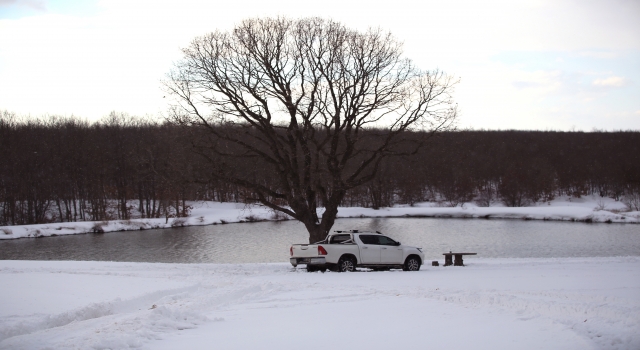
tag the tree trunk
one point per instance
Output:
(316, 233)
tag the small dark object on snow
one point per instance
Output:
(435, 263)
(458, 261)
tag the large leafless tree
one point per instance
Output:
(316, 104)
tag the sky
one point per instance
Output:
(544, 65)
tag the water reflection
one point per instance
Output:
(269, 241)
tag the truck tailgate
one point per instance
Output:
(304, 250)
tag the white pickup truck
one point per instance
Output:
(345, 250)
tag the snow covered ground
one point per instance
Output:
(570, 303)
(586, 209)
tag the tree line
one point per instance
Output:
(67, 169)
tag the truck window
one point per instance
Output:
(384, 240)
(369, 239)
(340, 238)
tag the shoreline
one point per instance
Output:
(584, 210)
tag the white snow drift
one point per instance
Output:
(573, 303)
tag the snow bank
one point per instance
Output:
(569, 303)
(589, 209)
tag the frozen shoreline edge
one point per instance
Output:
(213, 213)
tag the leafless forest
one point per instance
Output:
(67, 169)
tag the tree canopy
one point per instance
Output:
(296, 96)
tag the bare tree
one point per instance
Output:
(297, 96)
(632, 197)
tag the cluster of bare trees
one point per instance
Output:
(65, 169)
(515, 168)
(121, 167)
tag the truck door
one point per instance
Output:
(390, 251)
(369, 249)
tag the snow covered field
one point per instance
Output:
(586, 209)
(574, 303)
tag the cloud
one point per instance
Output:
(111, 54)
(611, 82)
(543, 81)
(31, 4)
(599, 54)
(525, 84)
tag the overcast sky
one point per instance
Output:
(548, 65)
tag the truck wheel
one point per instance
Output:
(411, 264)
(346, 264)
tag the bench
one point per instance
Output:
(458, 258)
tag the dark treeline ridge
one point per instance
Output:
(67, 169)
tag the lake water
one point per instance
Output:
(270, 241)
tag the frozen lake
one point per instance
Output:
(269, 241)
